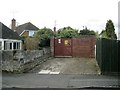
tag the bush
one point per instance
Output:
(67, 32)
(31, 43)
(44, 35)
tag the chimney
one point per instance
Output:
(13, 24)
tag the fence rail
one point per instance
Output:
(108, 55)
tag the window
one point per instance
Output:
(14, 45)
(31, 33)
(11, 46)
(18, 45)
(7, 45)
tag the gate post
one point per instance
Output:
(52, 46)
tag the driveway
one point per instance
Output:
(68, 66)
(77, 68)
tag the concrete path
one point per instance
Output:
(68, 66)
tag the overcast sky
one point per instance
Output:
(75, 13)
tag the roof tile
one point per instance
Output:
(26, 26)
(7, 33)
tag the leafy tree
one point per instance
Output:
(109, 31)
(87, 32)
(44, 36)
(97, 34)
(67, 32)
(103, 34)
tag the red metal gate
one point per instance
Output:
(63, 47)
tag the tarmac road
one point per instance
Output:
(73, 73)
(33, 80)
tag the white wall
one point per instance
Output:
(118, 33)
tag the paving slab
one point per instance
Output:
(44, 72)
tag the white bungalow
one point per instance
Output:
(9, 40)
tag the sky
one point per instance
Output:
(75, 13)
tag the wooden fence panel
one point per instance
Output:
(107, 52)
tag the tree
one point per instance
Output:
(67, 32)
(87, 32)
(97, 34)
(103, 34)
(44, 36)
(109, 31)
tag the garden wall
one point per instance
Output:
(22, 61)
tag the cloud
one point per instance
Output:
(75, 13)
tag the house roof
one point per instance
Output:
(7, 33)
(26, 26)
